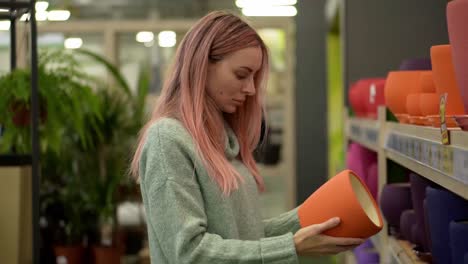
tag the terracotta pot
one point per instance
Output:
(397, 87)
(427, 82)
(412, 104)
(444, 78)
(70, 254)
(429, 104)
(347, 197)
(106, 255)
(457, 19)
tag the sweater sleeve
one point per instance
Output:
(282, 224)
(177, 215)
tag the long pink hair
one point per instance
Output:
(184, 97)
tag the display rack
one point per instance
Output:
(15, 10)
(420, 150)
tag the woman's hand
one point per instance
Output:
(310, 242)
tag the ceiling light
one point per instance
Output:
(73, 43)
(41, 6)
(58, 15)
(270, 11)
(42, 16)
(167, 39)
(5, 25)
(144, 36)
(258, 3)
(4, 10)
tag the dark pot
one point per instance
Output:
(106, 255)
(22, 115)
(69, 254)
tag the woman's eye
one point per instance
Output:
(241, 76)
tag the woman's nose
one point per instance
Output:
(249, 87)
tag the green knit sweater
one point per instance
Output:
(189, 219)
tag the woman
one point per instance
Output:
(198, 178)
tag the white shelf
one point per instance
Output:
(402, 253)
(419, 149)
(364, 132)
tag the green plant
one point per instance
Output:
(65, 95)
(104, 165)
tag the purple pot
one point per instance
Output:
(395, 199)
(368, 256)
(442, 208)
(416, 64)
(407, 220)
(415, 237)
(418, 194)
(373, 180)
(457, 19)
(459, 239)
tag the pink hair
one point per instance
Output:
(184, 97)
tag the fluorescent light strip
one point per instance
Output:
(73, 43)
(167, 39)
(58, 15)
(286, 11)
(42, 16)
(144, 36)
(41, 6)
(257, 3)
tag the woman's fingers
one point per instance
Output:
(322, 227)
(345, 241)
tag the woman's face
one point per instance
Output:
(231, 80)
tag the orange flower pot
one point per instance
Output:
(429, 104)
(347, 197)
(412, 104)
(397, 87)
(427, 82)
(444, 78)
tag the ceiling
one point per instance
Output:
(140, 9)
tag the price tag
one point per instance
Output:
(417, 150)
(460, 166)
(447, 160)
(435, 156)
(425, 152)
(443, 123)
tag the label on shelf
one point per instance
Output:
(365, 134)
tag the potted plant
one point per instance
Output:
(105, 164)
(65, 98)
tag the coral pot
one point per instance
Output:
(444, 78)
(457, 20)
(397, 87)
(347, 197)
